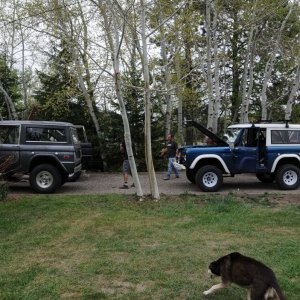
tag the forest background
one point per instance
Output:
(136, 69)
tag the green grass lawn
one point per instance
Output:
(113, 247)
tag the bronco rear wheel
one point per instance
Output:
(288, 177)
(209, 178)
(45, 179)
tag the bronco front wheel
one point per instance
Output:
(209, 178)
(288, 177)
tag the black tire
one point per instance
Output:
(209, 178)
(265, 177)
(190, 175)
(288, 177)
(74, 177)
(45, 179)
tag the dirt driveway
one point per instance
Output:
(104, 183)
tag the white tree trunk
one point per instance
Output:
(9, 103)
(249, 92)
(167, 83)
(269, 66)
(217, 101)
(293, 93)
(149, 160)
(114, 45)
(245, 99)
(63, 23)
(23, 78)
(179, 99)
(210, 113)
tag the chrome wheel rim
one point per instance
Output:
(210, 179)
(44, 179)
(290, 177)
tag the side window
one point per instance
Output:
(74, 135)
(244, 138)
(9, 134)
(285, 136)
(249, 137)
(46, 134)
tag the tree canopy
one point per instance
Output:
(217, 62)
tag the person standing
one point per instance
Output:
(208, 140)
(172, 150)
(126, 166)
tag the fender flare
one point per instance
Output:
(203, 156)
(52, 156)
(278, 158)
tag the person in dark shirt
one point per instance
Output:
(126, 166)
(172, 150)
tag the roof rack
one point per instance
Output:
(271, 121)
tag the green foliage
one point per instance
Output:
(58, 96)
(10, 81)
(3, 191)
(134, 102)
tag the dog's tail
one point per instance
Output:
(273, 292)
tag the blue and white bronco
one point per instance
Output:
(270, 150)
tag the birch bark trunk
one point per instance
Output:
(269, 67)
(292, 96)
(9, 103)
(167, 79)
(69, 38)
(149, 160)
(24, 80)
(179, 99)
(245, 99)
(210, 112)
(217, 100)
(114, 45)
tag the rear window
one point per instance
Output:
(46, 134)
(74, 135)
(9, 134)
(285, 136)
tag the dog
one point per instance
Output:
(247, 272)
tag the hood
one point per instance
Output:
(205, 131)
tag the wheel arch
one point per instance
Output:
(209, 159)
(281, 160)
(38, 160)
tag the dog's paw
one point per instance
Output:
(206, 293)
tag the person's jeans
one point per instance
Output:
(172, 167)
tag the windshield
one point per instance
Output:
(232, 134)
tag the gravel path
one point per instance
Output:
(104, 183)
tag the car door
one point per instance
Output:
(9, 148)
(245, 151)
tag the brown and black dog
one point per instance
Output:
(247, 272)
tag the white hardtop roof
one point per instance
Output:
(265, 125)
(34, 122)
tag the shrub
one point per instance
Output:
(3, 191)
